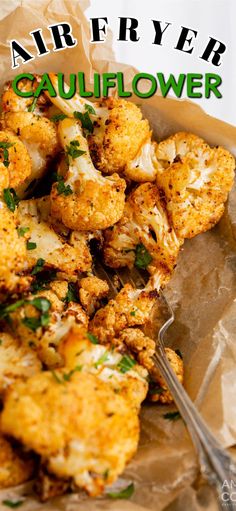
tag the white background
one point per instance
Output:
(216, 18)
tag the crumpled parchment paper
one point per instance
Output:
(202, 290)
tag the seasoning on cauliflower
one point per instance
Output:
(92, 291)
(16, 466)
(116, 128)
(144, 166)
(15, 163)
(81, 428)
(68, 254)
(196, 180)
(116, 367)
(144, 348)
(39, 136)
(42, 319)
(130, 307)
(17, 360)
(144, 236)
(85, 200)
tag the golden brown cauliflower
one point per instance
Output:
(130, 307)
(17, 360)
(12, 253)
(16, 467)
(43, 319)
(81, 428)
(92, 290)
(144, 236)
(39, 136)
(11, 102)
(85, 200)
(81, 350)
(144, 166)
(69, 254)
(196, 180)
(117, 133)
(144, 348)
(15, 162)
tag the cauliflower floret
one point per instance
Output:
(117, 133)
(15, 163)
(144, 236)
(144, 348)
(39, 136)
(16, 361)
(11, 102)
(88, 201)
(44, 318)
(83, 430)
(196, 180)
(82, 350)
(16, 467)
(144, 166)
(12, 253)
(129, 308)
(91, 292)
(70, 255)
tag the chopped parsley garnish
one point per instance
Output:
(71, 295)
(126, 363)
(22, 230)
(104, 357)
(58, 117)
(31, 108)
(61, 187)
(178, 352)
(56, 377)
(133, 313)
(86, 122)
(43, 279)
(92, 338)
(156, 390)
(7, 309)
(172, 416)
(13, 504)
(38, 267)
(90, 109)
(10, 198)
(43, 305)
(67, 376)
(142, 257)
(73, 149)
(126, 493)
(31, 245)
(5, 146)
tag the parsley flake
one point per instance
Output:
(31, 108)
(13, 504)
(61, 187)
(93, 339)
(38, 267)
(90, 109)
(71, 295)
(172, 416)
(104, 358)
(73, 151)
(126, 493)
(86, 122)
(10, 198)
(22, 230)
(142, 257)
(126, 363)
(5, 146)
(31, 245)
(178, 352)
(58, 117)
(67, 376)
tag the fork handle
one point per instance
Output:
(216, 465)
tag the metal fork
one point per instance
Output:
(216, 465)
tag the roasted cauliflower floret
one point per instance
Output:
(39, 136)
(81, 351)
(11, 102)
(143, 349)
(17, 360)
(117, 128)
(196, 180)
(15, 163)
(81, 428)
(92, 291)
(12, 253)
(130, 307)
(144, 236)
(86, 201)
(16, 467)
(144, 166)
(68, 254)
(42, 320)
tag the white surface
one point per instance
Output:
(214, 18)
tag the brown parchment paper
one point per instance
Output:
(202, 290)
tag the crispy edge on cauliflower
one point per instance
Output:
(81, 428)
(130, 307)
(39, 135)
(143, 226)
(88, 201)
(143, 168)
(15, 162)
(45, 336)
(196, 180)
(70, 255)
(144, 348)
(91, 291)
(17, 360)
(16, 467)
